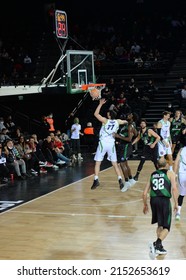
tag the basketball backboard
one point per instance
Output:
(80, 69)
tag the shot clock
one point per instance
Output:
(61, 24)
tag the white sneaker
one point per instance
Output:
(177, 217)
(60, 162)
(132, 182)
(126, 187)
(33, 172)
(41, 163)
(74, 157)
(152, 251)
(55, 167)
(80, 158)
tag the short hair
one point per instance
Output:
(143, 120)
(166, 113)
(162, 162)
(113, 114)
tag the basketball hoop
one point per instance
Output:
(94, 90)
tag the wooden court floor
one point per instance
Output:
(77, 223)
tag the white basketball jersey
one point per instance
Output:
(165, 129)
(107, 130)
(182, 165)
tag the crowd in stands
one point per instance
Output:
(180, 93)
(16, 66)
(23, 156)
(143, 42)
(127, 96)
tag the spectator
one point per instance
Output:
(138, 61)
(75, 139)
(10, 125)
(59, 148)
(119, 51)
(4, 135)
(25, 152)
(101, 55)
(14, 161)
(27, 65)
(35, 146)
(180, 85)
(121, 100)
(150, 89)
(89, 137)
(4, 171)
(177, 92)
(44, 128)
(16, 133)
(112, 102)
(49, 119)
(48, 150)
(2, 125)
(183, 92)
(135, 48)
(123, 86)
(67, 145)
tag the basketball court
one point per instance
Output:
(58, 217)
(69, 221)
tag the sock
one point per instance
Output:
(95, 177)
(130, 177)
(137, 174)
(119, 177)
(179, 210)
(126, 179)
(158, 242)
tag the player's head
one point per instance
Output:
(178, 113)
(76, 120)
(130, 116)
(166, 114)
(162, 163)
(111, 114)
(143, 123)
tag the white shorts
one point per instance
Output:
(182, 183)
(163, 150)
(106, 148)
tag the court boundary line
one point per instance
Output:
(27, 202)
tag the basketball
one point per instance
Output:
(95, 93)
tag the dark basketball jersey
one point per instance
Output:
(176, 126)
(147, 140)
(160, 184)
(124, 149)
(124, 133)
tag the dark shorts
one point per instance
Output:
(150, 154)
(161, 211)
(124, 152)
(175, 139)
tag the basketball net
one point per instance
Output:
(94, 90)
